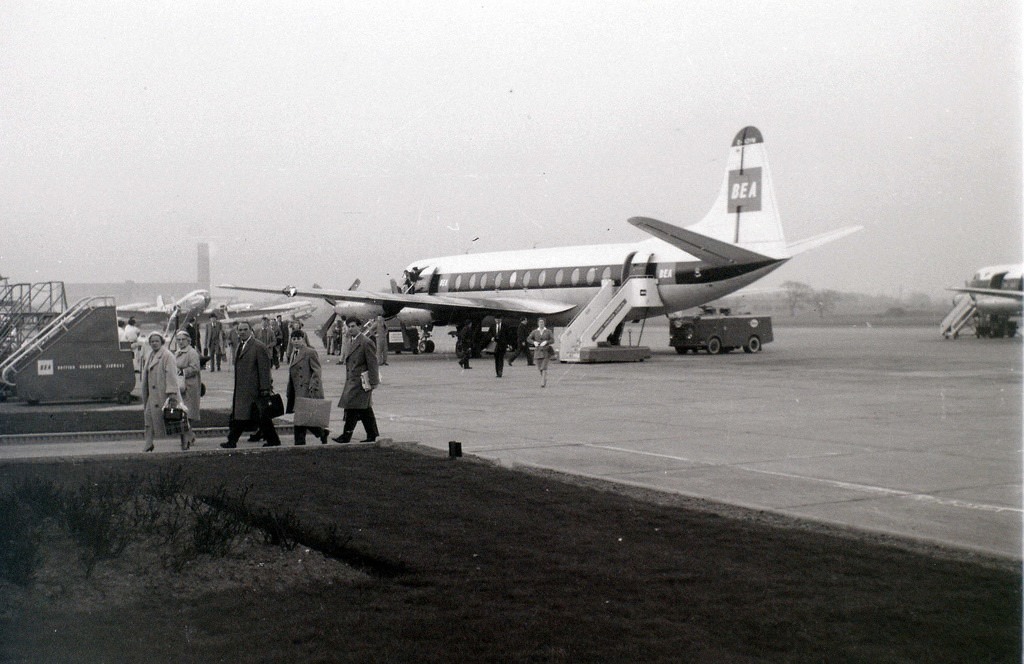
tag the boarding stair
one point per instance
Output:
(76, 356)
(959, 317)
(25, 309)
(599, 318)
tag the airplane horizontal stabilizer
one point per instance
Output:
(438, 303)
(994, 292)
(709, 250)
(807, 244)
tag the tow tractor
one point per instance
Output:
(718, 331)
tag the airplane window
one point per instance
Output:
(575, 278)
(497, 281)
(559, 276)
(472, 282)
(591, 275)
(526, 279)
(512, 280)
(483, 281)
(606, 273)
(543, 277)
(458, 282)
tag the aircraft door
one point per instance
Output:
(433, 279)
(643, 265)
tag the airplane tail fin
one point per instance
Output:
(745, 213)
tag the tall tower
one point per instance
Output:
(203, 269)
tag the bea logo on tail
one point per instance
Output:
(745, 190)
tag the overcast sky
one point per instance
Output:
(329, 141)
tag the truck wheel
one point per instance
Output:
(753, 345)
(714, 346)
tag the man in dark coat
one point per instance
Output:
(466, 344)
(522, 346)
(252, 381)
(356, 399)
(502, 336)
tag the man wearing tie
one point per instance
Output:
(252, 381)
(499, 335)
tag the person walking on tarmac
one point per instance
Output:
(522, 345)
(252, 381)
(542, 341)
(381, 341)
(214, 342)
(159, 387)
(361, 377)
(500, 335)
(465, 344)
(304, 380)
(186, 359)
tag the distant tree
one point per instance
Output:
(825, 301)
(797, 294)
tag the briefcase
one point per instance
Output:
(270, 406)
(312, 412)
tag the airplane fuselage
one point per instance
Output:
(573, 275)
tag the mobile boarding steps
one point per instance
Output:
(74, 357)
(612, 305)
(959, 317)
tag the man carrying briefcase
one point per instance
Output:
(252, 381)
(306, 391)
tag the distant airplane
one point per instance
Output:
(739, 241)
(192, 304)
(990, 302)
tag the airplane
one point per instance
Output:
(739, 241)
(192, 304)
(989, 301)
(236, 312)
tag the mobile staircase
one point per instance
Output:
(959, 317)
(25, 309)
(611, 305)
(74, 357)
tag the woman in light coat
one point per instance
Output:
(159, 385)
(186, 358)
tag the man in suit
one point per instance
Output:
(214, 342)
(522, 345)
(252, 381)
(304, 380)
(355, 398)
(502, 336)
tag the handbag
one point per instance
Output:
(175, 418)
(312, 412)
(270, 406)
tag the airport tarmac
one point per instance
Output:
(893, 430)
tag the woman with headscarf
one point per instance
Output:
(186, 358)
(159, 386)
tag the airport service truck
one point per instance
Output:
(718, 331)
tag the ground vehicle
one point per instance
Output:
(717, 331)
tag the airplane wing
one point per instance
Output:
(699, 246)
(437, 303)
(995, 292)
